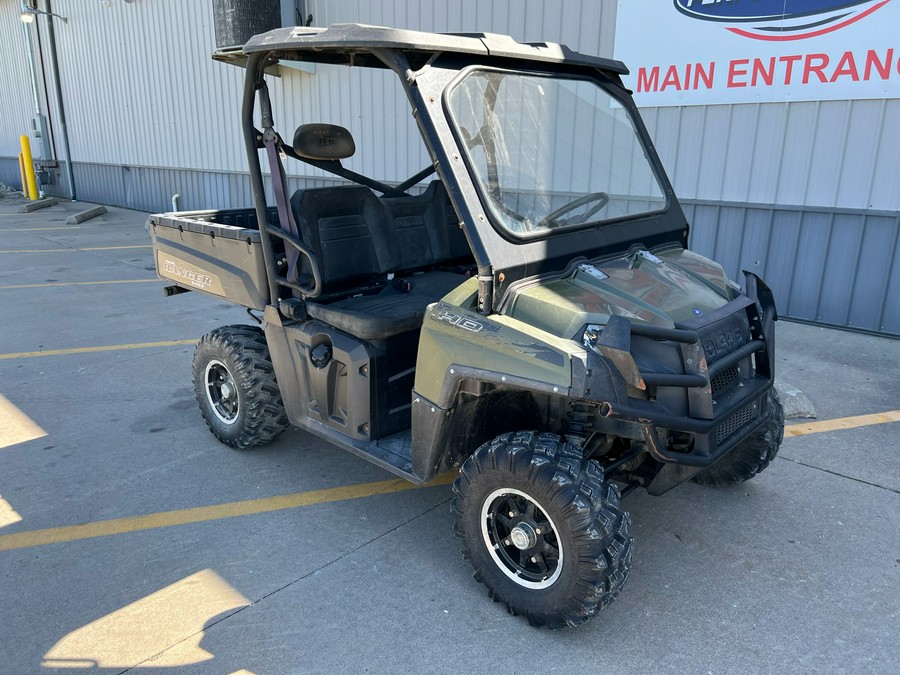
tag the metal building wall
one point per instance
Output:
(586, 25)
(804, 193)
(16, 100)
(151, 115)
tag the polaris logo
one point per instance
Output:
(722, 343)
(779, 20)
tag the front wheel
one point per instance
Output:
(543, 530)
(234, 383)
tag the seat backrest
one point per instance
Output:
(348, 229)
(356, 236)
(426, 228)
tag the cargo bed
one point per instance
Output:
(216, 252)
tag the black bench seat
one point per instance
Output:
(359, 238)
(389, 312)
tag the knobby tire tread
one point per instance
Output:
(601, 543)
(264, 417)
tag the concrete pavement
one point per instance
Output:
(797, 570)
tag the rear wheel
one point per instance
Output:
(543, 530)
(752, 455)
(234, 383)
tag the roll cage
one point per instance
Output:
(427, 65)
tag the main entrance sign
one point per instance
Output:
(702, 52)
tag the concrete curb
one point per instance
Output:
(82, 216)
(794, 401)
(42, 204)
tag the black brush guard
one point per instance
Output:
(715, 429)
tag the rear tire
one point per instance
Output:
(542, 529)
(234, 383)
(751, 456)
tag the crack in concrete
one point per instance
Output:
(839, 475)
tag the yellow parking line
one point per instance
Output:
(80, 283)
(112, 248)
(40, 229)
(85, 248)
(104, 528)
(103, 348)
(842, 423)
(40, 250)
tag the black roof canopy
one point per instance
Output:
(353, 44)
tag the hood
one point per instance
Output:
(660, 288)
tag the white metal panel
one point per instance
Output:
(374, 107)
(839, 154)
(16, 100)
(884, 191)
(140, 88)
(736, 170)
(584, 25)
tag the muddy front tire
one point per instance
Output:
(234, 383)
(752, 455)
(543, 530)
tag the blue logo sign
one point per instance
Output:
(779, 20)
(698, 311)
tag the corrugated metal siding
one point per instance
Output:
(140, 89)
(587, 26)
(9, 173)
(839, 154)
(16, 101)
(151, 115)
(152, 188)
(838, 267)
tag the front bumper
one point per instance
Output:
(715, 420)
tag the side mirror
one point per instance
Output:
(323, 142)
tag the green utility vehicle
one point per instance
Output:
(523, 311)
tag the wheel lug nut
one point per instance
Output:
(534, 559)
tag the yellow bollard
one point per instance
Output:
(22, 174)
(29, 168)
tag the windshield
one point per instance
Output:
(551, 152)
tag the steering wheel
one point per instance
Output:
(551, 220)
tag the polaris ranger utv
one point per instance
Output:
(530, 318)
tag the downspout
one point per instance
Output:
(54, 64)
(29, 51)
